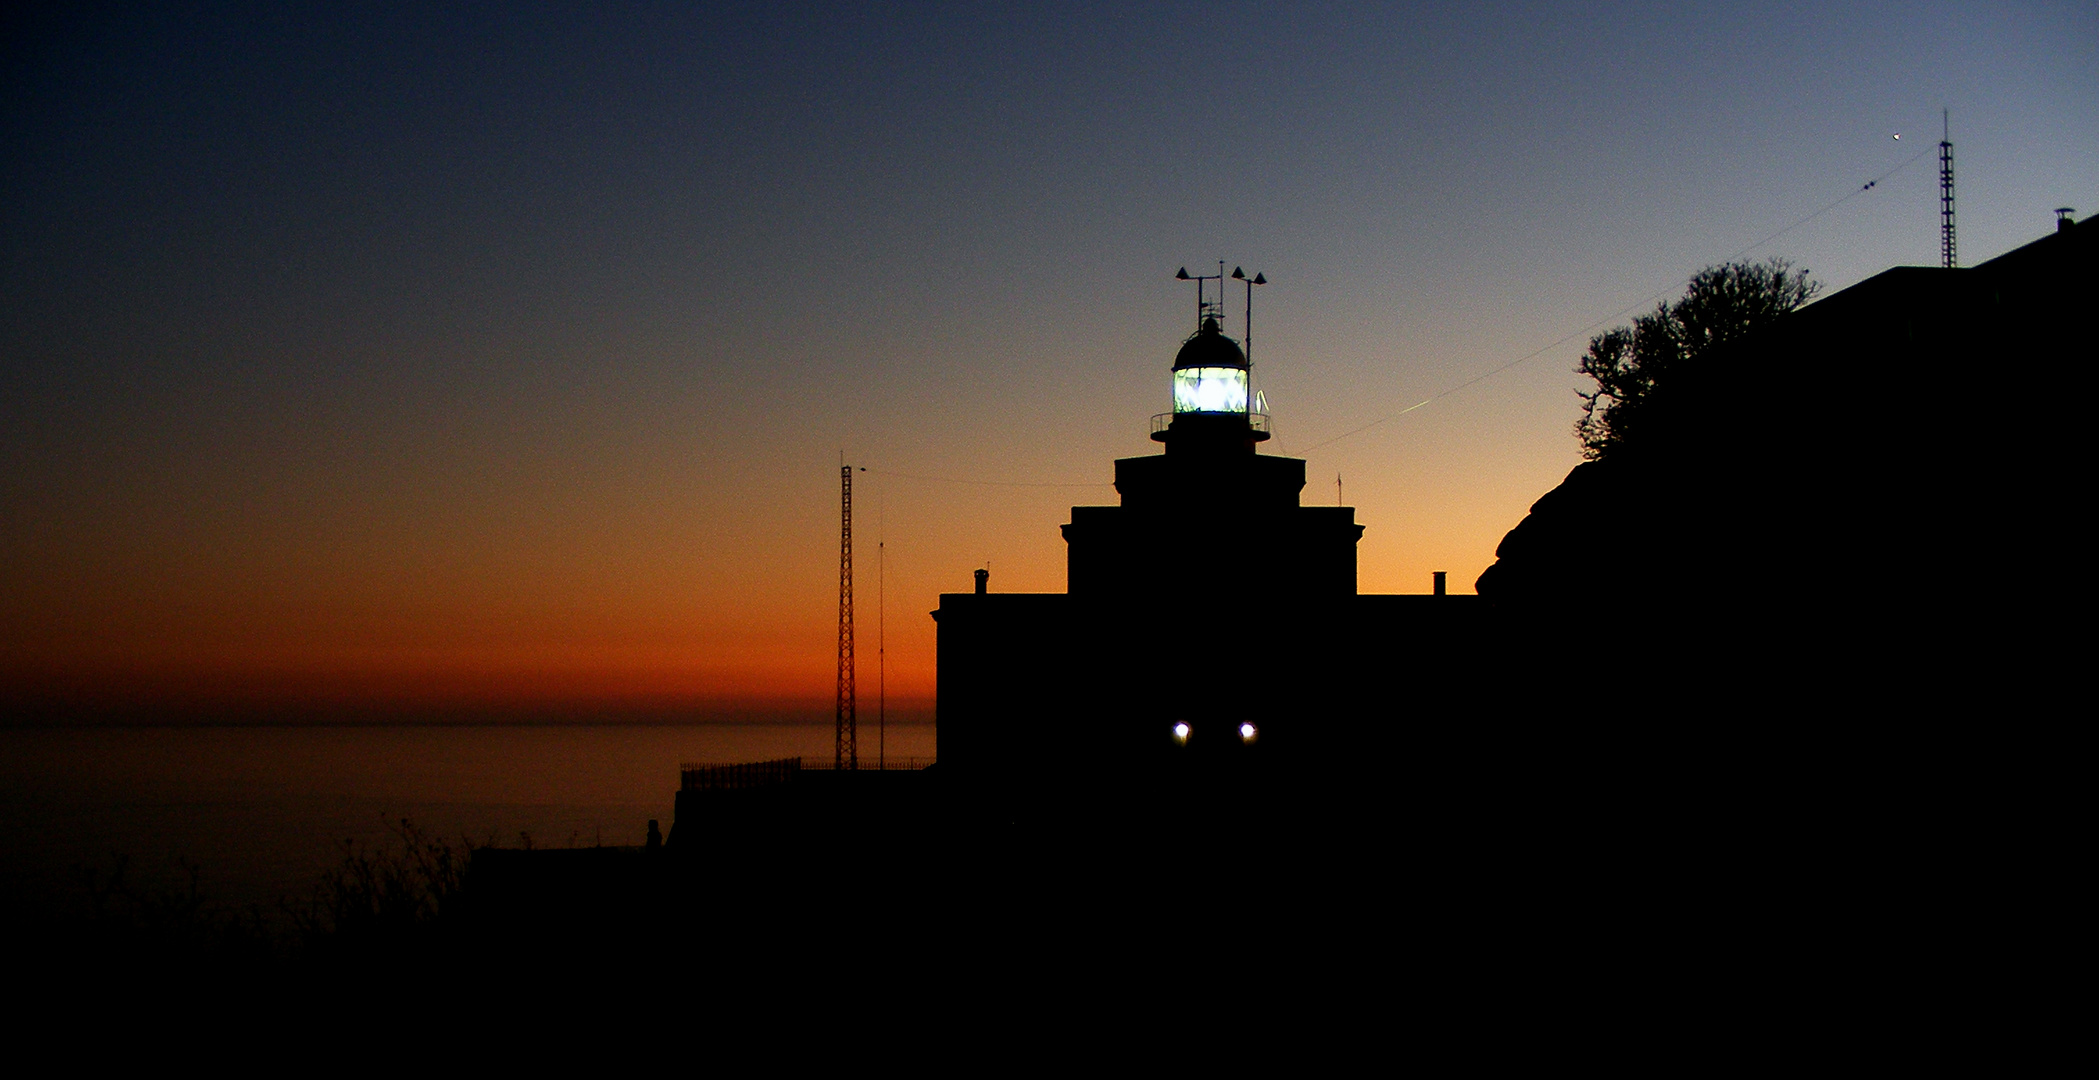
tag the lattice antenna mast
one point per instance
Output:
(846, 755)
(1949, 257)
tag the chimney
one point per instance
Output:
(1439, 582)
(2063, 221)
(983, 576)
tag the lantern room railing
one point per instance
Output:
(1255, 420)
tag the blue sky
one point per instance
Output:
(334, 333)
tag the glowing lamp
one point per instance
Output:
(1180, 734)
(1210, 374)
(1209, 389)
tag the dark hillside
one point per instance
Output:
(1832, 510)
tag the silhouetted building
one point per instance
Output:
(1211, 621)
(1682, 719)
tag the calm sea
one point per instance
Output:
(262, 812)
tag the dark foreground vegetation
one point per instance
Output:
(1493, 884)
(380, 905)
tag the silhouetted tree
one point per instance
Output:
(1632, 364)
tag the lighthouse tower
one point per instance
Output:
(1210, 620)
(1211, 523)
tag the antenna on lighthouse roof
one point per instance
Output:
(1258, 279)
(1206, 308)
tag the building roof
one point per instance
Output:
(1209, 348)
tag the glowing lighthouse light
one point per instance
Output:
(1210, 374)
(1209, 389)
(1214, 402)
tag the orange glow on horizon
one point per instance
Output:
(743, 623)
(548, 680)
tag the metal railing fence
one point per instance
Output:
(743, 776)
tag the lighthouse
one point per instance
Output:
(1210, 619)
(1212, 522)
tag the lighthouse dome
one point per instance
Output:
(1209, 348)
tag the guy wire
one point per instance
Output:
(1650, 298)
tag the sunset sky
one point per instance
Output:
(424, 361)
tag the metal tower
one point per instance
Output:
(1948, 258)
(847, 753)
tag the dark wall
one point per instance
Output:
(1043, 697)
(1195, 525)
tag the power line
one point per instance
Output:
(1483, 376)
(1866, 187)
(1621, 313)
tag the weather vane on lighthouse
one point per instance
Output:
(1212, 375)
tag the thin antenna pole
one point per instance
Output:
(1203, 305)
(1949, 256)
(1259, 278)
(1337, 490)
(1249, 342)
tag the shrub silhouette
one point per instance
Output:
(382, 901)
(1633, 365)
(386, 902)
